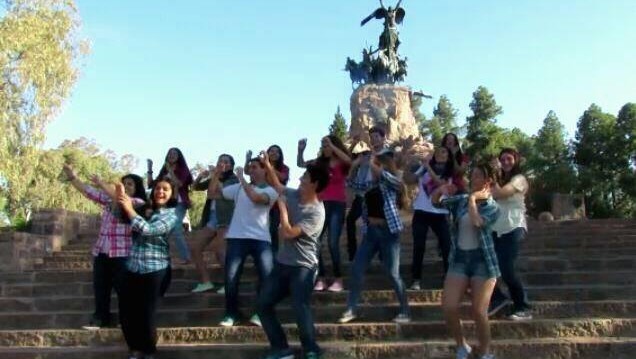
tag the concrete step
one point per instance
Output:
(352, 332)
(186, 300)
(543, 348)
(525, 263)
(421, 312)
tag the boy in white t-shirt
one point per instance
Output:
(248, 234)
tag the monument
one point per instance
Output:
(377, 99)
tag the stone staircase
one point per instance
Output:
(581, 279)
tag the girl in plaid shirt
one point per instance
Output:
(113, 243)
(148, 267)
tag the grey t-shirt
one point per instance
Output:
(302, 251)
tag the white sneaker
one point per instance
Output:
(415, 285)
(203, 287)
(228, 321)
(520, 315)
(347, 317)
(402, 318)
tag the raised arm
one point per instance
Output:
(272, 177)
(300, 159)
(255, 197)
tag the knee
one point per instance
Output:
(479, 313)
(450, 308)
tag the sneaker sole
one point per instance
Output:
(345, 321)
(498, 308)
(519, 319)
(90, 327)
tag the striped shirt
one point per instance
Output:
(150, 250)
(114, 237)
(489, 211)
(390, 187)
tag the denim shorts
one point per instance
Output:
(469, 264)
(213, 221)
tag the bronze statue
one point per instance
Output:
(389, 39)
(382, 65)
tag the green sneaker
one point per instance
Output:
(203, 287)
(312, 355)
(228, 321)
(220, 290)
(256, 320)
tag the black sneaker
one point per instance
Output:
(496, 305)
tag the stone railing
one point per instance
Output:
(50, 229)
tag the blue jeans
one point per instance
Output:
(378, 239)
(355, 212)
(334, 221)
(179, 234)
(286, 280)
(507, 249)
(438, 222)
(235, 254)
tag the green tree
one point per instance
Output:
(600, 163)
(482, 129)
(338, 127)
(443, 121)
(550, 164)
(39, 50)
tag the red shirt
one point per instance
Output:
(335, 190)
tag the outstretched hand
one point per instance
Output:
(122, 198)
(302, 144)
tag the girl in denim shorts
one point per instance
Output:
(472, 259)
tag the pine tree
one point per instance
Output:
(338, 127)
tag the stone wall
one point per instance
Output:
(50, 229)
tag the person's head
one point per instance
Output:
(386, 160)
(134, 186)
(276, 158)
(481, 176)
(509, 160)
(450, 140)
(175, 157)
(256, 170)
(314, 180)
(377, 137)
(225, 162)
(164, 194)
(326, 152)
(440, 155)
(442, 163)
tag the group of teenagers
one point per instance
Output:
(480, 225)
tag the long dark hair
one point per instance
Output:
(336, 141)
(459, 155)
(181, 169)
(504, 178)
(140, 189)
(229, 173)
(280, 162)
(449, 167)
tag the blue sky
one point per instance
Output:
(213, 77)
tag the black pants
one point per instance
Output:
(138, 309)
(355, 212)
(507, 249)
(108, 274)
(274, 222)
(439, 224)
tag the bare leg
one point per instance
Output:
(481, 292)
(454, 289)
(202, 239)
(218, 246)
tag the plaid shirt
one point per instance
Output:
(150, 250)
(390, 186)
(489, 211)
(114, 237)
